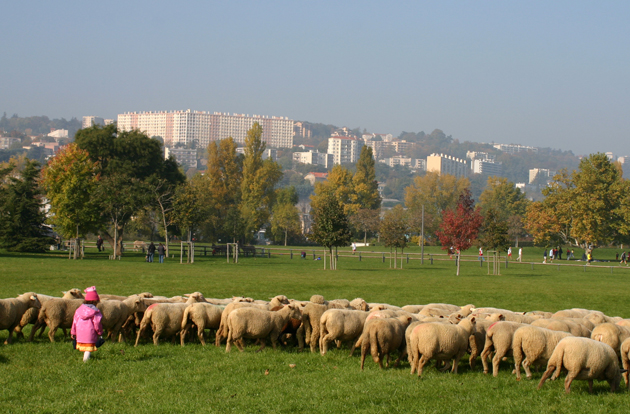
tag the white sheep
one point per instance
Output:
(499, 338)
(340, 325)
(533, 346)
(202, 315)
(440, 341)
(382, 336)
(12, 310)
(565, 325)
(56, 313)
(222, 331)
(259, 324)
(311, 315)
(624, 349)
(611, 334)
(584, 359)
(115, 314)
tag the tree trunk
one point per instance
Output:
(458, 258)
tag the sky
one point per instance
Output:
(540, 73)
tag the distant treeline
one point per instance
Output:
(36, 125)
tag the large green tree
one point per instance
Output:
(394, 231)
(21, 210)
(259, 180)
(285, 217)
(589, 207)
(330, 224)
(364, 180)
(69, 180)
(508, 202)
(127, 162)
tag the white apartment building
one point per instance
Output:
(59, 133)
(88, 121)
(277, 130)
(202, 127)
(415, 164)
(314, 157)
(484, 167)
(447, 164)
(6, 142)
(533, 173)
(185, 157)
(345, 150)
(185, 127)
(514, 148)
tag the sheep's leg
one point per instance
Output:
(485, 354)
(51, 333)
(421, 363)
(323, 345)
(264, 343)
(200, 331)
(10, 338)
(183, 333)
(356, 345)
(364, 349)
(498, 356)
(569, 379)
(302, 338)
(526, 365)
(546, 375)
(387, 362)
(339, 343)
(156, 337)
(590, 386)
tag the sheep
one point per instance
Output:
(570, 313)
(611, 334)
(339, 304)
(584, 359)
(222, 331)
(439, 341)
(318, 299)
(12, 310)
(204, 316)
(545, 315)
(413, 308)
(565, 325)
(255, 323)
(115, 314)
(477, 340)
(311, 315)
(360, 304)
(340, 325)
(380, 306)
(165, 318)
(499, 337)
(625, 360)
(30, 316)
(518, 318)
(56, 313)
(537, 344)
(385, 314)
(382, 336)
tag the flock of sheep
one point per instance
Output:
(586, 343)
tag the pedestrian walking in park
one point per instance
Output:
(520, 254)
(509, 253)
(161, 251)
(354, 247)
(99, 243)
(86, 325)
(150, 252)
(551, 255)
(560, 252)
(589, 257)
(480, 254)
(545, 256)
(623, 258)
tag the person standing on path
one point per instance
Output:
(161, 251)
(520, 254)
(509, 253)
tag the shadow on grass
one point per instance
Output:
(4, 360)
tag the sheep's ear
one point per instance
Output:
(501, 317)
(33, 297)
(472, 319)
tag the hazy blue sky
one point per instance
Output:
(544, 73)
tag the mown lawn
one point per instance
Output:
(46, 377)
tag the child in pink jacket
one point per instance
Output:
(86, 325)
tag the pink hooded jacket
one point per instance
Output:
(86, 325)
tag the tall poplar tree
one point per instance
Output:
(365, 185)
(259, 180)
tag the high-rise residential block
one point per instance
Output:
(88, 121)
(446, 164)
(345, 150)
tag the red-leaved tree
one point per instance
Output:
(459, 227)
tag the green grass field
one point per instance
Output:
(50, 377)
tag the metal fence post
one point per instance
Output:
(431, 256)
(359, 256)
(291, 253)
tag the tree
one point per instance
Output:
(494, 231)
(366, 221)
(225, 174)
(192, 205)
(589, 207)
(330, 224)
(437, 193)
(507, 201)
(21, 211)
(365, 185)
(259, 179)
(394, 230)
(126, 162)
(460, 226)
(285, 217)
(339, 183)
(69, 180)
